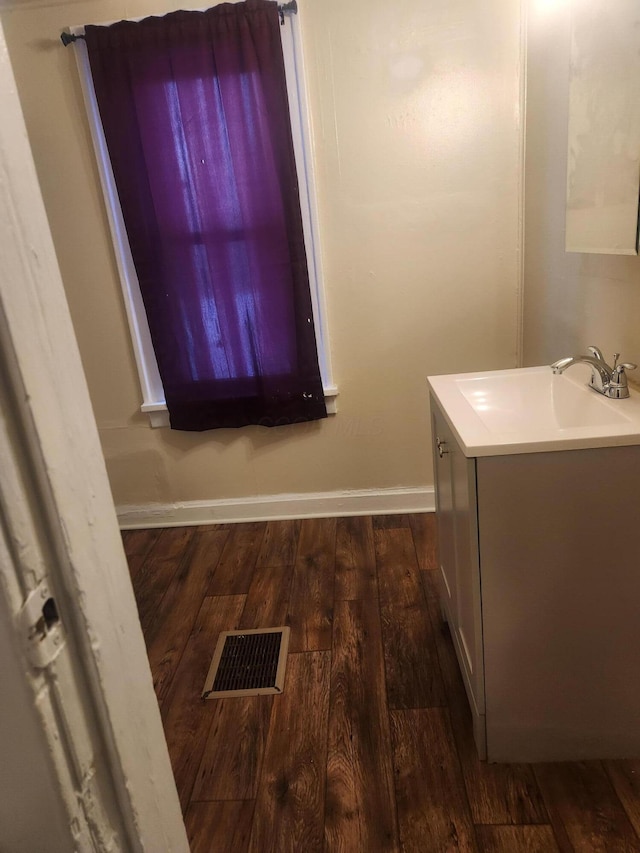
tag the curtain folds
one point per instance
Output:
(195, 114)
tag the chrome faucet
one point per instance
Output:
(610, 381)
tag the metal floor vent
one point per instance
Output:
(248, 663)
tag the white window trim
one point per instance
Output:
(153, 398)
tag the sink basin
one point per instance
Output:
(542, 399)
(534, 410)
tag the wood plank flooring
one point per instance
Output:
(370, 746)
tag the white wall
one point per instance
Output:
(570, 300)
(415, 109)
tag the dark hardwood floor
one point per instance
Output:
(370, 747)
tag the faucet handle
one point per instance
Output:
(620, 368)
(617, 388)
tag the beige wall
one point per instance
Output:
(570, 300)
(415, 109)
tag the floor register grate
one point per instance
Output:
(248, 663)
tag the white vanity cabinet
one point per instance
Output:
(540, 584)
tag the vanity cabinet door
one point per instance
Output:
(443, 442)
(457, 520)
(468, 609)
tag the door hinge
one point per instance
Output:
(41, 626)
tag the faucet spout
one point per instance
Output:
(601, 373)
(561, 365)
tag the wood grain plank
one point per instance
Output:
(221, 827)
(179, 606)
(425, 539)
(137, 545)
(355, 570)
(279, 544)
(360, 810)
(390, 522)
(516, 839)
(289, 810)
(171, 551)
(433, 812)
(584, 811)
(411, 658)
(413, 674)
(398, 574)
(233, 571)
(233, 753)
(625, 778)
(268, 598)
(311, 603)
(431, 586)
(497, 793)
(186, 718)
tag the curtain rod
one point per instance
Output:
(290, 8)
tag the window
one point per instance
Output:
(152, 389)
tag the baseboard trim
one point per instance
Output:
(277, 507)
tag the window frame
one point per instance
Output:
(153, 398)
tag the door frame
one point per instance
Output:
(56, 451)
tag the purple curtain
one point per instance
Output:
(196, 118)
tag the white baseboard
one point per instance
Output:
(277, 507)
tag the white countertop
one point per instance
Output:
(533, 410)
